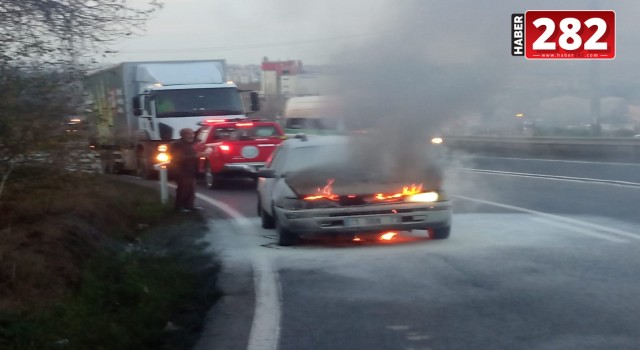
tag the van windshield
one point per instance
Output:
(313, 123)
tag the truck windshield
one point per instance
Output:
(198, 102)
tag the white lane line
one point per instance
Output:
(579, 230)
(560, 161)
(227, 209)
(554, 177)
(265, 328)
(596, 227)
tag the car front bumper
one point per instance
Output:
(366, 218)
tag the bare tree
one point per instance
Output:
(57, 30)
(42, 43)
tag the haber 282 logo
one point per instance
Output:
(552, 35)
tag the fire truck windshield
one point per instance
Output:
(198, 102)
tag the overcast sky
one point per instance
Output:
(244, 31)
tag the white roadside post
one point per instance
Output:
(164, 182)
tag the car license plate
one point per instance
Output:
(372, 221)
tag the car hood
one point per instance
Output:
(344, 180)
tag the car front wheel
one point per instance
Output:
(266, 220)
(439, 232)
(285, 237)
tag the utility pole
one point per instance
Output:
(594, 83)
(594, 87)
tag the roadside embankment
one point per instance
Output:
(89, 262)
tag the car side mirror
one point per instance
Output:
(267, 173)
(255, 101)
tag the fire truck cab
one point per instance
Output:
(235, 148)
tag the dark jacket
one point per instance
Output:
(184, 159)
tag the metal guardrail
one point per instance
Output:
(613, 141)
(624, 149)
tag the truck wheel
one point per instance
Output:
(440, 232)
(107, 167)
(143, 168)
(266, 220)
(286, 237)
(211, 180)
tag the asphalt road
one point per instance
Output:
(532, 263)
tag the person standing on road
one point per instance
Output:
(184, 163)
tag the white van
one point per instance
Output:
(313, 114)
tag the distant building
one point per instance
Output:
(281, 68)
(289, 78)
(275, 76)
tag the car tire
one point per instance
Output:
(266, 220)
(440, 232)
(286, 238)
(211, 180)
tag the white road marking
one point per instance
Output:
(227, 209)
(265, 329)
(579, 230)
(555, 177)
(557, 218)
(559, 161)
(417, 337)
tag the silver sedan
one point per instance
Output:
(313, 187)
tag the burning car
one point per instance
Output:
(315, 186)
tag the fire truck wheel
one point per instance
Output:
(211, 180)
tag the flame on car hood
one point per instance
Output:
(331, 183)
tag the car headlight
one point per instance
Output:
(424, 197)
(291, 203)
(320, 203)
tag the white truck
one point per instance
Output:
(135, 109)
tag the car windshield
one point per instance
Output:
(198, 102)
(314, 156)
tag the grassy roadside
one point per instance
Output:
(92, 263)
